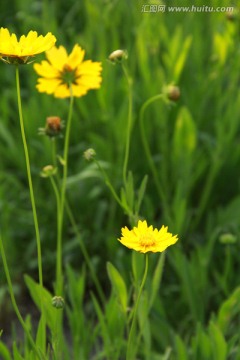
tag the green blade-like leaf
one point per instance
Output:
(41, 335)
(118, 285)
(228, 310)
(219, 344)
(4, 352)
(141, 193)
(181, 348)
(36, 293)
(157, 277)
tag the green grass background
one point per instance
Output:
(195, 146)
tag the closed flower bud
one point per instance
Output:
(118, 55)
(58, 302)
(228, 238)
(53, 127)
(173, 92)
(48, 170)
(231, 15)
(89, 154)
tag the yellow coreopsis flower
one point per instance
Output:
(13, 51)
(143, 238)
(63, 74)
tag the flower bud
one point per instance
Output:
(58, 302)
(53, 127)
(173, 92)
(89, 154)
(227, 238)
(118, 55)
(231, 15)
(48, 170)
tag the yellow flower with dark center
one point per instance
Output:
(62, 74)
(143, 238)
(13, 51)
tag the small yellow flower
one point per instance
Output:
(60, 70)
(143, 238)
(13, 51)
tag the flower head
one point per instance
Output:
(62, 74)
(13, 51)
(143, 238)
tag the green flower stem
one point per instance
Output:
(75, 228)
(59, 276)
(206, 191)
(148, 152)
(129, 124)
(111, 188)
(85, 254)
(160, 265)
(57, 330)
(130, 345)
(14, 303)
(54, 156)
(35, 218)
(56, 192)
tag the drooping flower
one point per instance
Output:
(62, 74)
(144, 238)
(14, 51)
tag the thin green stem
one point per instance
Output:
(149, 157)
(111, 188)
(85, 254)
(54, 157)
(56, 192)
(32, 197)
(29, 178)
(205, 194)
(129, 124)
(14, 303)
(59, 276)
(130, 345)
(75, 228)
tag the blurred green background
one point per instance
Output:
(194, 142)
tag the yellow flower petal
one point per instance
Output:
(68, 69)
(62, 91)
(26, 47)
(46, 70)
(48, 86)
(57, 57)
(76, 57)
(144, 238)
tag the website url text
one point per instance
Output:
(165, 8)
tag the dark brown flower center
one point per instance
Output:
(68, 75)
